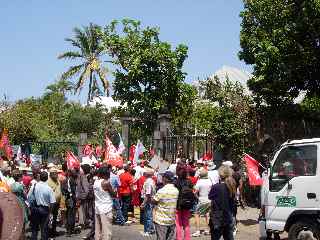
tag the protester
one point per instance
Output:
(115, 183)
(202, 189)
(125, 192)
(69, 191)
(148, 191)
(83, 196)
(223, 204)
(18, 189)
(103, 193)
(43, 197)
(54, 183)
(165, 201)
(186, 200)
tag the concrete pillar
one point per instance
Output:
(125, 134)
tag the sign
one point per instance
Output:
(155, 162)
(286, 201)
(36, 159)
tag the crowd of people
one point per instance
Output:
(96, 196)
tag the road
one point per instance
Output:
(248, 229)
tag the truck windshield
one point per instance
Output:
(293, 161)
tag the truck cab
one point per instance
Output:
(290, 195)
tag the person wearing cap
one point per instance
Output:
(125, 191)
(165, 201)
(148, 191)
(202, 189)
(54, 183)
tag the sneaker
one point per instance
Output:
(128, 222)
(196, 234)
(206, 232)
(145, 234)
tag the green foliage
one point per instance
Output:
(148, 72)
(281, 39)
(224, 115)
(89, 52)
(52, 118)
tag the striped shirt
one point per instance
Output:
(167, 202)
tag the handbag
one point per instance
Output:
(34, 209)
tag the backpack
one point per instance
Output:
(186, 198)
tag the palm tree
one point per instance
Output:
(89, 52)
(61, 86)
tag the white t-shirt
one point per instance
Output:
(103, 200)
(203, 186)
(173, 168)
(213, 175)
(139, 172)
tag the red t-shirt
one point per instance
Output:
(126, 181)
(193, 180)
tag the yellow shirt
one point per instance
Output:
(165, 210)
(56, 189)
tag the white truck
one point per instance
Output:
(290, 194)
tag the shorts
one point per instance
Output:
(203, 208)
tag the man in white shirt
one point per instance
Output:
(213, 174)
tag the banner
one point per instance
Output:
(72, 161)
(111, 154)
(253, 171)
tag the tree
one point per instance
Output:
(89, 52)
(148, 73)
(61, 86)
(224, 115)
(281, 39)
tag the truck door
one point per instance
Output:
(293, 184)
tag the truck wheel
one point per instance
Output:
(304, 230)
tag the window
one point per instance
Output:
(293, 161)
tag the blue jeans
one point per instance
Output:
(117, 207)
(148, 224)
(125, 201)
(40, 219)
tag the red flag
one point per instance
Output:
(87, 150)
(111, 154)
(207, 156)
(131, 152)
(99, 151)
(252, 170)
(72, 161)
(5, 144)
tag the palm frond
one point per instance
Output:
(84, 75)
(81, 37)
(70, 55)
(73, 42)
(71, 72)
(102, 75)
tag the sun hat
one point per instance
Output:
(227, 163)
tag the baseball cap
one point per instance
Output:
(169, 175)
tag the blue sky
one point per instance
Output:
(33, 32)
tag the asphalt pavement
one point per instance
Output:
(248, 229)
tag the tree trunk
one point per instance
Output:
(90, 86)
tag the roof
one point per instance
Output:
(301, 141)
(234, 75)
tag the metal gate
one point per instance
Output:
(189, 147)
